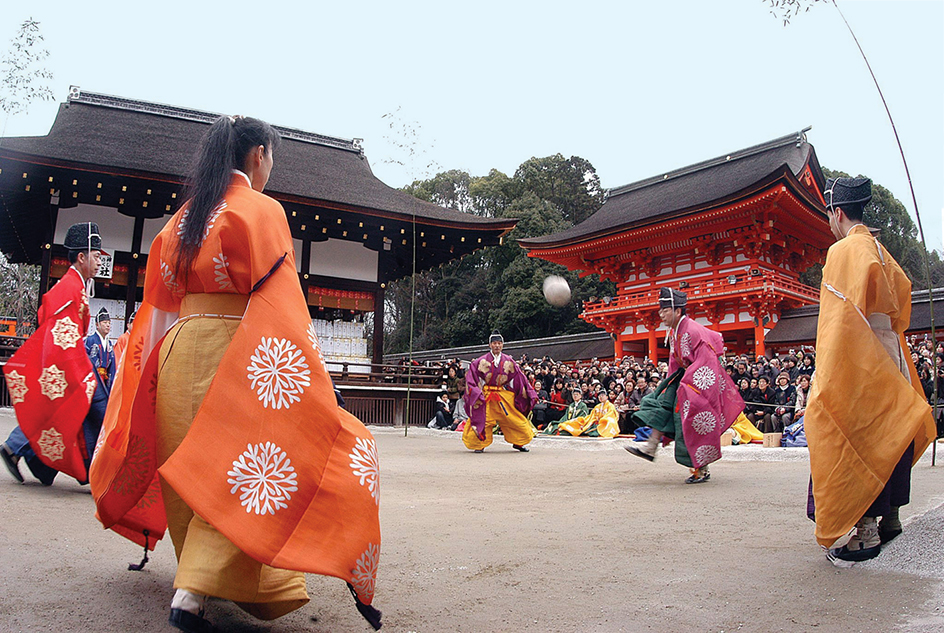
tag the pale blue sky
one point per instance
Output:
(637, 88)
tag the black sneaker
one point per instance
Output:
(10, 461)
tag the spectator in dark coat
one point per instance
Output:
(762, 406)
(744, 389)
(443, 417)
(807, 367)
(785, 396)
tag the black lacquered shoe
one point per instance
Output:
(523, 449)
(10, 461)
(699, 477)
(640, 453)
(845, 557)
(189, 622)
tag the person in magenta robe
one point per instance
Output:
(497, 392)
(698, 401)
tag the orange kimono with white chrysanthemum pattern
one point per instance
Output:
(270, 460)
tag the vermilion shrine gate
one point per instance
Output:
(734, 233)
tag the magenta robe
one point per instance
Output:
(708, 401)
(483, 372)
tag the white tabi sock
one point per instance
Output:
(188, 601)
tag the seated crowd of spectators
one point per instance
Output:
(775, 390)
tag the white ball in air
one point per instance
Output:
(556, 290)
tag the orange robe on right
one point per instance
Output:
(865, 408)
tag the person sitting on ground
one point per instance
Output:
(802, 396)
(459, 416)
(785, 399)
(539, 410)
(443, 417)
(603, 421)
(577, 408)
(761, 406)
(639, 392)
(557, 404)
(744, 389)
(623, 407)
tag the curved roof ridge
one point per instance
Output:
(798, 137)
(77, 95)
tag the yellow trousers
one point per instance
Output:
(207, 562)
(514, 426)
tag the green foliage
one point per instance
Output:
(570, 184)
(898, 234)
(499, 287)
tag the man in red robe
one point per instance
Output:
(50, 378)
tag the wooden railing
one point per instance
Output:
(715, 287)
(384, 373)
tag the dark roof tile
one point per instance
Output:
(689, 189)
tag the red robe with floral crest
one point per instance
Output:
(270, 460)
(707, 399)
(51, 380)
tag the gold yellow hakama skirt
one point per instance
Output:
(515, 427)
(207, 562)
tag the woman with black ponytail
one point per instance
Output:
(262, 475)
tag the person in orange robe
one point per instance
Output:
(122, 343)
(261, 474)
(867, 421)
(51, 379)
(603, 421)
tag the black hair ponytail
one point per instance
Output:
(223, 148)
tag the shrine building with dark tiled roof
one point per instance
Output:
(122, 163)
(734, 233)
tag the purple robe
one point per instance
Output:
(507, 375)
(708, 402)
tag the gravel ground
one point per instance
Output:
(575, 536)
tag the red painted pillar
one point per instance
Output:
(653, 346)
(618, 348)
(759, 339)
